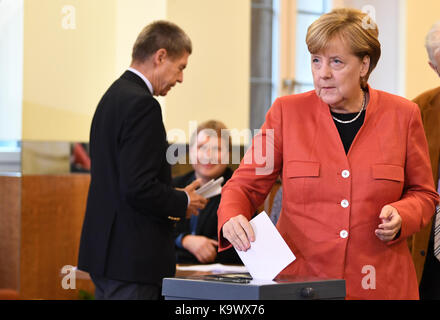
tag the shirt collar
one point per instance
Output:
(147, 82)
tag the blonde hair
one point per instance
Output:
(212, 126)
(352, 28)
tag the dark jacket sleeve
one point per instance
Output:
(142, 160)
(182, 227)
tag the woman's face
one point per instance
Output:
(206, 156)
(337, 73)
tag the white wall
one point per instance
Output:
(217, 80)
(11, 68)
(131, 17)
(389, 74)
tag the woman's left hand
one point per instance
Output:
(391, 223)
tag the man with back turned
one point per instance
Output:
(127, 242)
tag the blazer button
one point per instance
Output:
(345, 174)
(344, 203)
(343, 234)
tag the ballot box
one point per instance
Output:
(240, 286)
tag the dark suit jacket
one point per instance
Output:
(422, 243)
(127, 233)
(206, 224)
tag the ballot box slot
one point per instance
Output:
(243, 278)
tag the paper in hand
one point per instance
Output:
(269, 254)
(205, 187)
(211, 189)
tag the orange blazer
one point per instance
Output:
(332, 201)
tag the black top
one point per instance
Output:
(348, 131)
(206, 225)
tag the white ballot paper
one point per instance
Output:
(211, 188)
(269, 254)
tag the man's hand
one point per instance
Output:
(391, 223)
(196, 201)
(203, 248)
(238, 231)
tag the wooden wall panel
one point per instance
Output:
(53, 208)
(9, 231)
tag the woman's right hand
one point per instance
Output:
(238, 231)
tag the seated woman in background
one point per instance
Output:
(196, 238)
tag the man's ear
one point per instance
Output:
(433, 67)
(160, 56)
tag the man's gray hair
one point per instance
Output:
(432, 42)
(161, 34)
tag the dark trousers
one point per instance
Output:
(109, 289)
(430, 283)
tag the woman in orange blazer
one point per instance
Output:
(354, 165)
